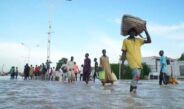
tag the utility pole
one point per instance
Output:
(49, 30)
(49, 41)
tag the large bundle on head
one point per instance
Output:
(129, 22)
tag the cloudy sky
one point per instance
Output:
(84, 26)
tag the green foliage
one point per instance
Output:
(100, 69)
(61, 62)
(125, 75)
(115, 69)
(181, 57)
(127, 71)
(145, 71)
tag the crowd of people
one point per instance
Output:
(131, 51)
(68, 72)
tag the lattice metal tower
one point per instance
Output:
(50, 10)
(49, 41)
(49, 32)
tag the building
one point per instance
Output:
(178, 69)
(175, 68)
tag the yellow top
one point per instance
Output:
(133, 51)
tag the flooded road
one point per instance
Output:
(36, 94)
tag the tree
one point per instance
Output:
(127, 73)
(145, 70)
(181, 57)
(60, 63)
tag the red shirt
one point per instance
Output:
(75, 68)
(36, 70)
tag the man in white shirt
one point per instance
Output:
(64, 70)
(70, 66)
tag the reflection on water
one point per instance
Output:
(31, 94)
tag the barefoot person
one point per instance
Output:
(131, 50)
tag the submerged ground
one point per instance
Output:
(37, 94)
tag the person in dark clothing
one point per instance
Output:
(48, 64)
(26, 72)
(95, 69)
(87, 68)
(12, 72)
(44, 71)
(64, 69)
(16, 73)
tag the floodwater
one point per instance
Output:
(36, 94)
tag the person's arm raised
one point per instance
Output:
(148, 38)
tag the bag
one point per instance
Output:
(114, 78)
(102, 75)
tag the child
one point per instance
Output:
(95, 69)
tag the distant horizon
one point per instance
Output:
(176, 59)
